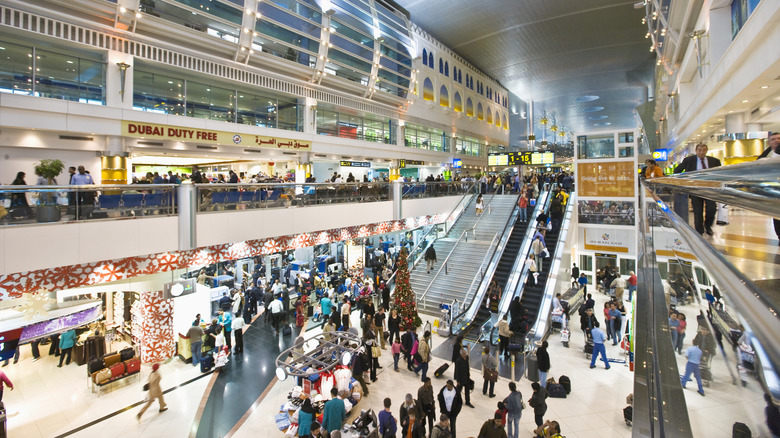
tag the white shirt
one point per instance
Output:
(449, 397)
(276, 307)
(773, 154)
(238, 323)
(699, 164)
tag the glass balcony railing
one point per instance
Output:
(24, 205)
(730, 312)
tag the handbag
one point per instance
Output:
(146, 387)
(376, 351)
(471, 385)
(491, 375)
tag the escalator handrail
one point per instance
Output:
(541, 326)
(753, 186)
(744, 295)
(444, 264)
(424, 238)
(519, 270)
(469, 312)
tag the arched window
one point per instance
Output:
(506, 124)
(480, 112)
(430, 59)
(446, 69)
(460, 76)
(489, 116)
(467, 80)
(441, 66)
(498, 119)
(469, 107)
(444, 97)
(455, 73)
(457, 102)
(427, 89)
(425, 57)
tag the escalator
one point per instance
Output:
(533, 293)
(501, 275)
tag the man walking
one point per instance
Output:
(450, 403)
(463, 376)
(693, 367)
(424, 350)
(598, 347)
(427, 402)
(430, 257)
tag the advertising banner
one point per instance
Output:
(606, 179)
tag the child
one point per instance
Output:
(396, 350)
(502, 410)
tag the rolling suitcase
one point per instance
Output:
(628, 415)
(287, 330)
(566, 383)
(206, 363)
(439, 371)
(588, 349)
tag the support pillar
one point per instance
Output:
(187, 204)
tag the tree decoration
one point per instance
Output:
(356, 271)
(404, 298)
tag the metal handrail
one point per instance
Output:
(519, 274)
(480, 271)
(745, 297)
(542, 324)
(425, 236)
(753, 186)
(444, 263)
(507, 226)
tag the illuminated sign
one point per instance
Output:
(457, 163)
(522, 158)
(355, 164)
(208, 136)
(661, 155)
(404, 163)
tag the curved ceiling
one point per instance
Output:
(552, 52)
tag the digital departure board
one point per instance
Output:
(521, 158)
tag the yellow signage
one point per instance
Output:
(606, 179)
(208, 136)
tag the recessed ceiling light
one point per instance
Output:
(598, 117)
(587, 98)
(602, 124)
(745, 101)
(765, 87)
(594, 109)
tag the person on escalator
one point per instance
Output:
(538, 247)
(541, 220)
(556, 213)
(522, 205)
(533, 272)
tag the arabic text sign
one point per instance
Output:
(208, 136)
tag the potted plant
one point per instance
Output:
(48, 210)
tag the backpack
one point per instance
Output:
(365, 361)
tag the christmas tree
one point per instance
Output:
(404, 299)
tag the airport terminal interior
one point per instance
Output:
(345, 218)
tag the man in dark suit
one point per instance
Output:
(702, 221)
(773, 152)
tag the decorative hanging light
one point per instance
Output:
(554, 128)
(544, 121)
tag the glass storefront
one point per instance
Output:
(56, 75)
(347, 126)
(424, 137)
(170, 95)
